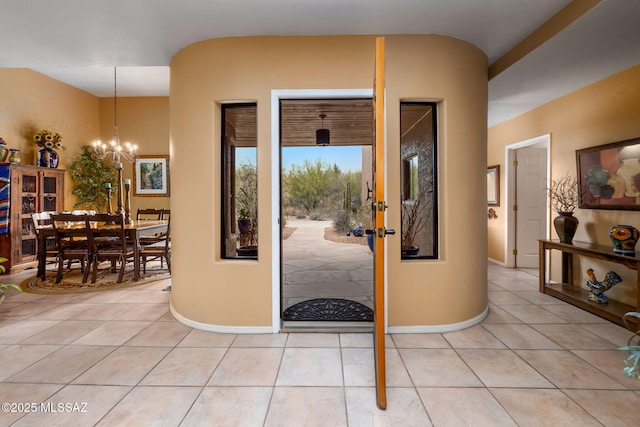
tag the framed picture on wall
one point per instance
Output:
(493, 185)
(609, 176)
(151, 176)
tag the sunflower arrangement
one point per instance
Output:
(48, 139)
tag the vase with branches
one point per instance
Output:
(563, 195)
(414, 220)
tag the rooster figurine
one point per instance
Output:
(597, 288)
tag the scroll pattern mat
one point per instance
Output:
(329, 309)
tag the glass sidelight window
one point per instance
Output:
(419, 222)
(239, 181)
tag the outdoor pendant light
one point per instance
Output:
(322, 135)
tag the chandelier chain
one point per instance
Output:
(116, 151)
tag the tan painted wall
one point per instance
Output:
(604, 112)
(143, 121)
(30, 102)
(220, 292)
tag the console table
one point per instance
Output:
(578, 295)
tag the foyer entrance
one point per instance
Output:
(326, 263)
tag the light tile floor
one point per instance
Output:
(535, 361)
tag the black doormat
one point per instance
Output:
(329, 309)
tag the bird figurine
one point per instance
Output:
(597, 287)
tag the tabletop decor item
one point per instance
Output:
(563, 194)
(597, 288)
(4, 152)
(49, 142)
(14, 156)
(624, 239)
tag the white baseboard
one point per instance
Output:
(219, 328)
(438, 328)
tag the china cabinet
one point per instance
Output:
(32, 189)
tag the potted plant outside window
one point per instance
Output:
(244, 221)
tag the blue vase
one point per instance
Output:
(47, 158)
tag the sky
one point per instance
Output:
(348, 158)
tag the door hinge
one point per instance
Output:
(515, 252)
(515, 163)
(515, 207)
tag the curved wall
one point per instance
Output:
(218, 294)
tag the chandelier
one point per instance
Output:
(115, 149)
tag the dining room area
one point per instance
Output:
(83, 250)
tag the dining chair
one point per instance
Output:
(42, 220)
(160, 250)
(109, 243)
(72, 240)
(154, 214)
(150, 214)
(166, 213)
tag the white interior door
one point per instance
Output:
(531, 201)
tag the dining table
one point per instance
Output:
(133, 230)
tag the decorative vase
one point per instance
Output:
(14, 156)
(48, 158)
(629, 169)
(3, 150)
(566, 225)
(624, 239)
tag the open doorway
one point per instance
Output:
(528, 219)
(326, 263)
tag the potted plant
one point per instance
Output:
(244, 221)
(632, 362)
(563, 194)
(413, 221)
(5, 288)
(89, 176)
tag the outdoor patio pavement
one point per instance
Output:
(317, 268)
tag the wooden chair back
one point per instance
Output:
(43, 220)
(158, 250)
(149, 214)
(108, 242)
(72, 241)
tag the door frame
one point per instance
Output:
(543, 141)
(276, 171)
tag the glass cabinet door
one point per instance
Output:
(29, 205)
(49, 193)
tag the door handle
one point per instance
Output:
(382, 232)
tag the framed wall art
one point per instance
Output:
(151, 176)
(609, 176)
(493, 185)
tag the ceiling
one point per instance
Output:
(79, 42)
